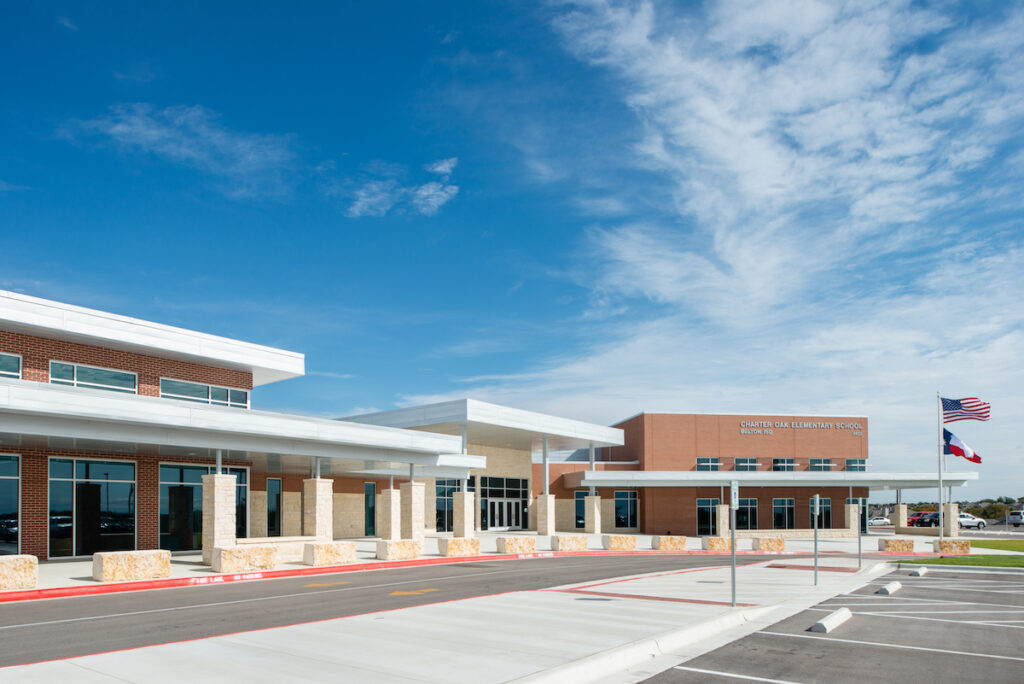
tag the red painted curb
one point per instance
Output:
(213, 579)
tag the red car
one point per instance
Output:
(915, 516)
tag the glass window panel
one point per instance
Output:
(241, 474)
(219, 394)
(104, 470)
(104, 517)
(240, 397)
(61, 468)
(10, 366)
(181, 517)
(61, 518)
(707, 520)
(181, 388)
(61, 371)
(273, 507)
(8, 516)
(8, 466)
(103, 378)
(581, 516)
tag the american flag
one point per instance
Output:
(970, 408)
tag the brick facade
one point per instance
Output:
(37, 352)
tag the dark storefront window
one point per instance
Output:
(746, 514)
(707, 520)
(444, 505)
(863, 513)
(824, 513)
(181, 505)
(92, 506)
(581, 509)
(498, 494)
(273, 507)
(9, 523)
(625, 509)
(370, 509)
(783, 515)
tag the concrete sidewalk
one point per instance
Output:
(78, 573)
(614, 630)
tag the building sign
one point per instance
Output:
(767, 427)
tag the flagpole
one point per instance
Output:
(938, 419)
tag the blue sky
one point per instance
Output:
(589, 209)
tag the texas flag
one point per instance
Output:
(953, 445)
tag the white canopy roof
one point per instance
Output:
(690, 478)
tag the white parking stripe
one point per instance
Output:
(734, 676)
(900, 646)
(918, 617)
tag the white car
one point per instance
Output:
(879, 520)
(1016, 518)
(968, 520)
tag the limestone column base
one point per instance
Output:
(951, 520)
(218, 514)
(592, 514)
(722, 520)
(463, 504)
(412, 510)
(389, 515)
(545, 514)
(318, 508)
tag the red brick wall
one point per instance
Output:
(37, 352)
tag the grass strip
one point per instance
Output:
(1001, 544)
(985, 560)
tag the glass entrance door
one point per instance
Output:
(504, 514)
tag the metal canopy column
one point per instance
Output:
(593, 490)
(544, 446)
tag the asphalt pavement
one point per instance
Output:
(947, 626)
(34, 631)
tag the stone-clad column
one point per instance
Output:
(951, 520)
(592, 514)
(545, 514)
(722, 520)
(318, 508)
(218, 513)
(412, 510)
(389, 515)
(463, 509)
(899, 515)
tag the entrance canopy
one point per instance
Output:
(689, 478)
(497, 426)
(54, 416)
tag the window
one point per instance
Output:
(625, 509)
(444, 504)
(506, 492)
(10, 366)
(181, 505)
(783, 464)
(863, 513)
(857, 464)
(92, 506)
(707, 463)
(783, 517)
(370, 509)
(746, 515)
(745, 464)
(78, 375)
(824, 513)
(274, 507)
(821, 464)
(8, 505)
(707, 518)
(204, 394)
(581, 510)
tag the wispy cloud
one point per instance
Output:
(840, 232)
(381, 190)
(66, 23)
(11, 187)
(140, 73)
(332, 375)
(246, 165)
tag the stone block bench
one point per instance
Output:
(18, 572)
(399, 549)
(667, 542)
(329, 553)
(896, 545)
(517, 544)
(769, 544)
(960, 547)
(248, 558)
(715, 543)
(125, 566)
(618, 542)
(458, 546)
(569, 542)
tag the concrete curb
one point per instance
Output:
(960, 568)
(214, 579)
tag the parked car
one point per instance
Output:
(968, 520)
(878, 520)
(915, 516)
(1016, 518)
(928, 520)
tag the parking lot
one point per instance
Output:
(947, 626)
